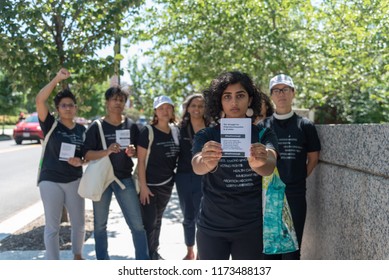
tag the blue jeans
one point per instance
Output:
(190, 194)
(129, 204)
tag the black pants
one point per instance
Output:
(247, 246)
(298, 206)
(152, 215)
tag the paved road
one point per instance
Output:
(18, 191)
(18, 171)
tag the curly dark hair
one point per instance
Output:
(185, 115)
(213, 94)
(66, 93)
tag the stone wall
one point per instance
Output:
(348, 195)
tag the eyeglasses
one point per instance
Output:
(70, 106)
(278, 91)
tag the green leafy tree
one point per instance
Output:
(197, 40)
(38, 37)
(155, 80)
(350, 69)
(336, 52)
(9, 100)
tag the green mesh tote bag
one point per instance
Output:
(279, 235)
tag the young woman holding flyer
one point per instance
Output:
(230, 219)
(115, 123)
(59, 178)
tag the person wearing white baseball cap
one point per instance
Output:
(299, 148)
(160, 100)
(156, 177)
(281, 79)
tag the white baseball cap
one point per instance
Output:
(281, 79)
(163, 99)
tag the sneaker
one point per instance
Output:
(156, 256)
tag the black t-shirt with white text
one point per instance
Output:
(163, 155)
(297, 136)
(121, 163)
(53, 169)
(232, 195)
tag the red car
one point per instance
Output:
(28, 129)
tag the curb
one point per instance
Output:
(121, 247)
(22, 218)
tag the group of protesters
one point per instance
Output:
(222, 217)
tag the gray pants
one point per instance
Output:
(54, 197)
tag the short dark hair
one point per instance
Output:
(66, 93)
(115, 91)
(215, 91)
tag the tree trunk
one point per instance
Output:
(3, 125)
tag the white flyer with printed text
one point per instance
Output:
(235, 137)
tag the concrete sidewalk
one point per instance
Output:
(120, 243)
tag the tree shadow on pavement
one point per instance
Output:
(173, 211)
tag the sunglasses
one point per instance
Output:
(65, 106)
